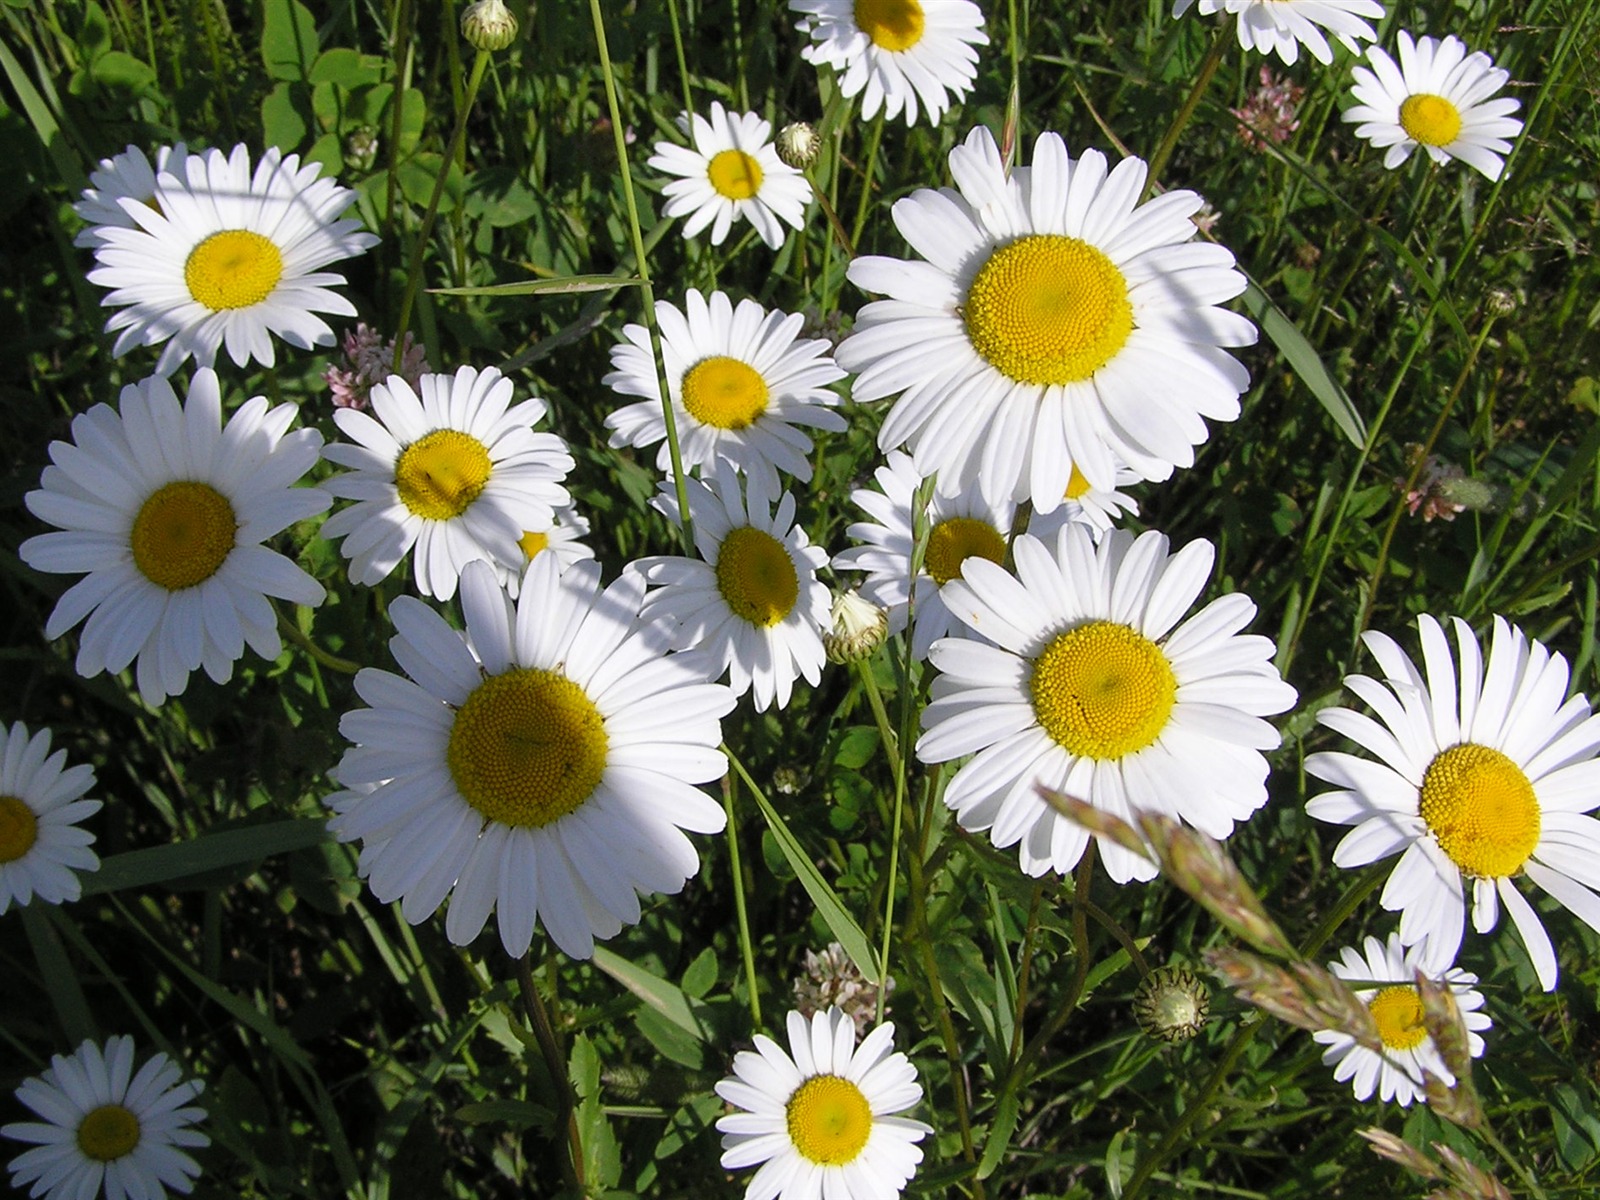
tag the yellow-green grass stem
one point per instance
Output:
(868, 170)
(891, 746)
(736, 867)
(1202, 81)
(555, 1062)
(683, 59)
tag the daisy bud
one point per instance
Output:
(1172, 1004)
(1397, 1150)
(1502, 302)
(857, 629)
(488, 25)
(798, 145)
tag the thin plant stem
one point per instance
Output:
(1025, 968)
(735, 865)
(402, 53)
(868, 170)
(555, 1062)
(891, 745)
(683, 59)
(1202, 80)
(293, 633)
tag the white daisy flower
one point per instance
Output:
(41, 803)
(1283, 26)
(225, 256)
(1388, 969)
(733, 171)
(457, 474)
(541, 764)
(742, 387)
(958, 527)
(896, 51)
(1056, 323)
(1484, 777)
(105, 1127)
(560, 538)
(130, 176)
(1437, 97)
(1096, 508)
(165, 508)
(754, 607)
(1078, 676)
(819, 1119)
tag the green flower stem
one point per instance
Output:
(891, 746)
(1025, 968)
(683, 59)
(402, 74)
(864, 203)
(735, 865)
(1202, 80)
(556, 1063)
(293, 633)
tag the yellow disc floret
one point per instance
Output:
(108, 1133)
(829, 1120)
(1430, 120)
(1481, 807)
(724, 392)
(233, 269)
(183, 534)
(893, 25)
(756, 576)
(441, 474)
(1397, 1012)
(1103, 690)
(954, 540)
(19, 829)
(1048, 309)
(1077, 485)
(734, 174)
(527, 747)
(533, 544)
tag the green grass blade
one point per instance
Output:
(1306, 362)
(227, 848)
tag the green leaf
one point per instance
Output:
(417, 176)
(285, 117)
(666, 998)
(55, 969)
(1305, 361)
(1000, 1131)
(563, 286)
(857, 747)
(519, 1114)
(118, 70)
(288, 39)
(348, 68)
(208, 852)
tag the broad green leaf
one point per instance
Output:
(1000, 1131)
(288, 39)
(519, 1114)
(55, 969)
(285, 117)
(666, 998)
(208, 852)
(566, 285)
(1306, 362)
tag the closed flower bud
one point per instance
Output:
(856, 629)
(798, 145)
(1172, 1003)
(488, 25)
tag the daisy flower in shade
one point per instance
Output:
(751, 606)
(1081, 674)
(959, 527)
(129, 176)
(1283, 26)
(1056, 323)
(1437, 97)
(1096, 508)
(820, 1119)
(560, 539)
(541, 764)
(896, 51)
(105, 1126)
(742, 387)
(733, 171)
(1483, 777)
(165, 508)
(455, 474)
(227, 256)
(41, 803)
(1384, 979)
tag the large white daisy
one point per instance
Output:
(1384, 979)
(227, 256)
(1078, 676)
(1056, 323)
(1283, 26)
(165, 508)
(732, 172)
(742, 387)
(1437, 97)
(130, 176)
(41, 803)
(819, 1119)
(894, 52)
(541, 764)
(1484, 777)
(104, 1127)
(751, 605)
(457, 474)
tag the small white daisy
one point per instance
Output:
(541, 764)
(1056, 324)
(105, 1127)
(1396, 1010)
(165, 507)
(733, 171)
(1096, 508)
(456, 473)
(1283, 26)
(128, 175)
(754, 607)
(560, 538)
(896, 51)
(224, 256)
(1484, 777)
(742, 387)
(1078, 676)
(41, 803)
(1437, 97)
(958, 527)
(819, 1119)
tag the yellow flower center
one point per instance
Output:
(527, 747)
(734, 174)
(108, 1132)
(892, 25)
(724, 392)
(1431, 120)
(756, 576)
(233, 269)
(956, 539)
(1103, 690)
(183, 534)
(1077, 485)
(1481, 807)
(532, 543)
(19, 829)
(1397, 1012)
(1048, 309)
(829, 1120)
(441, 474)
